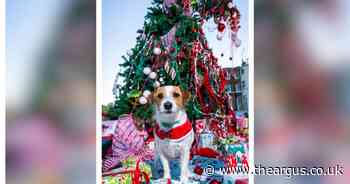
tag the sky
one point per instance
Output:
(29, 26)
(121, 20)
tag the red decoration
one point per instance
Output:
(136, 174)
(198, 170)
(231, 161)
(207, 152)
(245, 181)
(215, 182)
(221, 26)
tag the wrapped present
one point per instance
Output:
(205, 162)
(137, 175)
(206, 140)
(230, 161)
(234, 148)
(127, 141)
(200, 125)
(218, 128)
(242, 181)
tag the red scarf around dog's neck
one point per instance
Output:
(174, 133)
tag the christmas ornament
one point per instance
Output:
(220, 36)
(215, 182)
(169, 70)
(157, 51)
(198, 170)
(147, 70)
(129, 53)
(161, 79)
(143, 100)
(221, 26)
(196, 14)
(156, 84)
(152, 75)
(230, 5)
(146, 93)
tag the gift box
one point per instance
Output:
(132, 172)
(206, 140)
(235, 148)
(127, 141)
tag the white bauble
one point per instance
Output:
(196, 14)
(129, 53)
(220, 36)
(230, 5)
(143, 100)
(147, 70)
(152, 75)
(156, 84)
(157, 51)
(161, 79)
(146, 93)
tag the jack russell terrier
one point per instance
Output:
(173, 132)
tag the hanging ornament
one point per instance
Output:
(146, 93)
(169, 70)
(152, 75)
(156, 84)
(129, 53)
(196, 14)
(230, 5)
(157, 51)
(161, 79)
(143, 100)
(147, 70)
(220, 36)
(221, 26)
(238, 42)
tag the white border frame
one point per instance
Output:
(2, 91)
(251, 91)
(99, 88)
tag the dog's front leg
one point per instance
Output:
(184, 166)
(166, 166)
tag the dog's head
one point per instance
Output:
(169, 100)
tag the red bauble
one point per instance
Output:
(215, 182)
(198, 170)
(221, 27)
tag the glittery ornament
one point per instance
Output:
(157, 51)
(143, 100)
(152, 75)
(230, 5)
(146, 93)
(129, 53)
(219, 36)
(147, 70)
(156, 84)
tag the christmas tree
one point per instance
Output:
(172, 49)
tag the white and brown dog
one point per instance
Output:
(173, 133)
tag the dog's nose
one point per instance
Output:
(168, 105)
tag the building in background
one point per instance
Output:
(237, 87)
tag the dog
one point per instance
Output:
(173, 132)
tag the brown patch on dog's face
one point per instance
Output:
(170, 93)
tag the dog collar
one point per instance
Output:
(175, 133)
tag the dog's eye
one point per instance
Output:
(160, 95)
(176, 94)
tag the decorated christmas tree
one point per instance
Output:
(172, 49)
